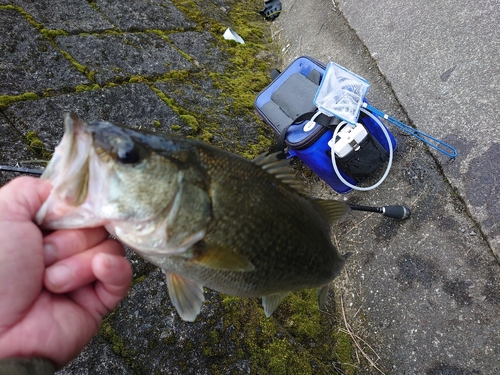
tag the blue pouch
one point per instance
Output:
(289, 96)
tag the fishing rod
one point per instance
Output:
(7, 168)
(395, 212)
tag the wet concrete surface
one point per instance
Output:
(441, 61)
(423, 293)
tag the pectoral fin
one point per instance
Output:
(271, 302)
(220, 258)
(186, 296)
(322, 294)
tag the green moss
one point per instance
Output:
(81, 88)
(168, 101)
(255, 149)
(107, 332)
(169, 340)
(136, 79)
(185, 116)
(296, 339)
(81, 68)
(180, 75)
(206, 350)
(119, 347)
(156, 124)
(188, 346)
(37, 146)
(6, 100)
(93, 5)
(112, 32)
(192, 11)
(304, 320)
(51, 34)
(191, 121)
(25, 14)
(116, 341)
(214, 337)
(9, 7)
(282, 359)
(345, 351)
(245, 74)
(138, 280)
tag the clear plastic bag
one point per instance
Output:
(341, 93)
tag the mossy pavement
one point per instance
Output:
(168, 69)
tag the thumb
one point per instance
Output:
(22, 197)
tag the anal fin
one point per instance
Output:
(272, 301)
(186, 295)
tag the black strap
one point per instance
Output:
(322, 119)
(275, 73)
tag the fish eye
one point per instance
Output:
(129, 156)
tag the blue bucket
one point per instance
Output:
(311, 147)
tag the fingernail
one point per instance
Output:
(49, 253)
(59, 275)
(108, 260)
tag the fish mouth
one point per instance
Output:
(68, 171)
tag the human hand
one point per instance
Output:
(54, 288)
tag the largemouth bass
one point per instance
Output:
(205, 216)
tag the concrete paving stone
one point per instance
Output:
(28, 62)
(134, 15)
(423, 292)
(74, 16)
(13, 151)
(132, 105)
(208, 105)
(442, 60)
(147, 323)
(203, 47)
(140, 267)
(97, 358)
(115, 58)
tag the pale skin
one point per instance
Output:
(54, 287)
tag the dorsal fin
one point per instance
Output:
(279, 168)
(333, 210)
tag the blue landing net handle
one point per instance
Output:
(426, 138)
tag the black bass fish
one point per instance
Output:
(205, 216)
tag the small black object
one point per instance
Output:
(21, 170)
(272, 9)
(395, 212)
(275, 73)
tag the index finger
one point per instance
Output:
(65, 243)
